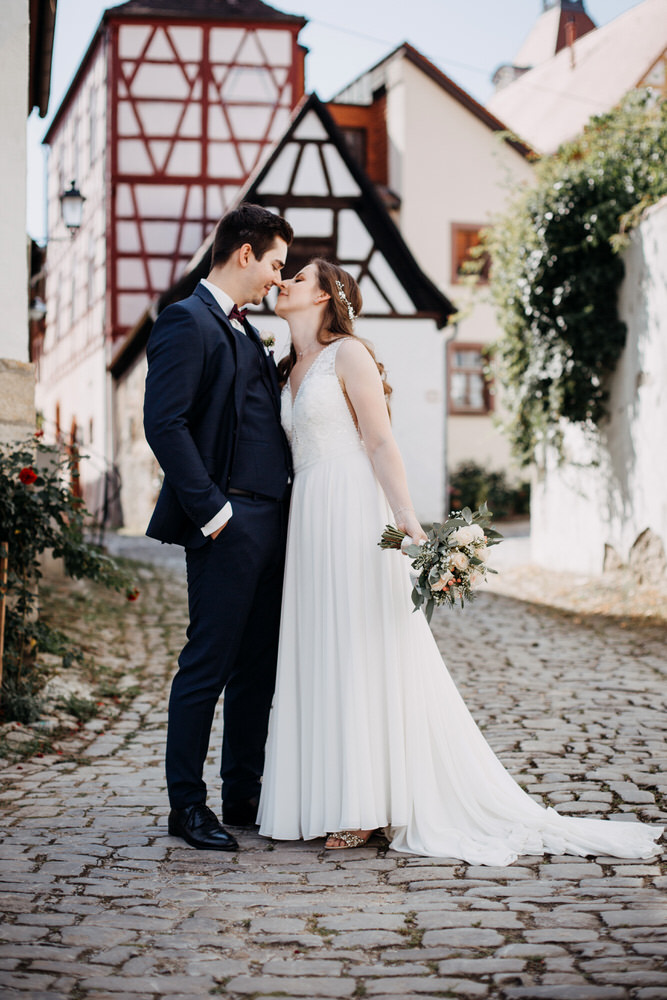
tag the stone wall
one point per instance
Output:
(17, 399)
(140, 474)
(606, 505)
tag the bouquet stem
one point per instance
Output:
(391, 537)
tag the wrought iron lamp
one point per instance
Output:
(71, 206)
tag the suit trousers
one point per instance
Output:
(234, 596)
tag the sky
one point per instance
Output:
(466, 39)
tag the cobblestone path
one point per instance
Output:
(99, 902)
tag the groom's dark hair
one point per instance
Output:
(248, 224)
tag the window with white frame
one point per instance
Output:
(469, 385)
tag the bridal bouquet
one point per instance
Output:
(452, 562)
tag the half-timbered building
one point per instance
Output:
(313, 179)
(172, 108)
(177, 112)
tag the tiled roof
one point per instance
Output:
(552, 103)
(224, 10)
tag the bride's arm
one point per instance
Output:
(362, 383)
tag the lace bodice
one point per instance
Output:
(318, 423)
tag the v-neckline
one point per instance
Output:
(307, 372)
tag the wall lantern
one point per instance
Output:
(71, 206)
(37, 310)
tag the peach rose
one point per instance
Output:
(444, 580)
(459, 560)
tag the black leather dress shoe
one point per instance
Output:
(243, 812)
(199, 827)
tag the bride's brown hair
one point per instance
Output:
(336, 321)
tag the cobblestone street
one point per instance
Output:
(100, 902)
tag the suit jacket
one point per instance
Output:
(193, 410)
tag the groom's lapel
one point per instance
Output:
(228, 328)
(268, 364)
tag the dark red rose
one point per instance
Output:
(39, 434)
(132, 593)
(27, 476)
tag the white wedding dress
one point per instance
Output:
(367, 728)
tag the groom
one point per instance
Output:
(212, 418)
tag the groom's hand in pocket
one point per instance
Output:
(214, 534)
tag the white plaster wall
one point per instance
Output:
(449, 167)
(479, 438)
(13, 244)
(580, 507)
(454, 169)
(413, 353)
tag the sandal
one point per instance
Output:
(349, 838)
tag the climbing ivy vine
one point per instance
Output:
(556, 270)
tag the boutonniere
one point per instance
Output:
(269, 342)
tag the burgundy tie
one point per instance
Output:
(238, 314)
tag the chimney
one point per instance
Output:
(570, 36)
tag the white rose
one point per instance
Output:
(476, 531)
(459, 560)
(475, 579)
(462, 536)
(482, 553)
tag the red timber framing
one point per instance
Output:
(336, 211)
(193, 108)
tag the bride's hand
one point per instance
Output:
(407, 522)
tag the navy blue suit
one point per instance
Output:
(212, 419)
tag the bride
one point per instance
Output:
(367, 729)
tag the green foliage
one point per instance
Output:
(470, 485)
(81, 708)
(556, 270)
(38, 513)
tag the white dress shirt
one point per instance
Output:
(226, 303)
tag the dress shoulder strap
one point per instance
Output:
(329, 355)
